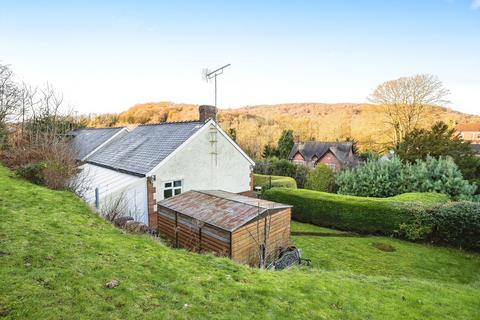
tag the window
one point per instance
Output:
(172, 188)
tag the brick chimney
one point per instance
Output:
(207, 112)
(296, 139)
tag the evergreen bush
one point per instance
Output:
(393, 177)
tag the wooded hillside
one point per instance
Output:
(256, 126)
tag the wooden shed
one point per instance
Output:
(226, 224)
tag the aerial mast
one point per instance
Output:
(209, 75)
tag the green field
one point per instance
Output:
(56, 256)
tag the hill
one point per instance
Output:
(56, 256)
(256, 126)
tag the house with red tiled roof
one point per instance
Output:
(469, 131)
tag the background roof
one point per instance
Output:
(316, 148)
(225, 210)
(142, 149)
(87, 140)
(468, 126)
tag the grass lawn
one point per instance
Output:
(56, 256)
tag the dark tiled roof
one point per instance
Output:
(225, 210)
(142, 149)
(310, 149)
(86, 140)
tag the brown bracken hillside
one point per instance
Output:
(256, 126)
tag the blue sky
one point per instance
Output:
(108, 56)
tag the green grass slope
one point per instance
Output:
(56, 256)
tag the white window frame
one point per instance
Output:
(172, 187)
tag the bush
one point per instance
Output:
(277, 167)
(456, 224)
(3, 135)
(301, 173)
(389, 178)
(320, 179)
(359, 214)
(283, 168)
(33, 172)
(277, 181)
(374, 179)
(43, 159)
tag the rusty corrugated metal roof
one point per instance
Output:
(225, 210)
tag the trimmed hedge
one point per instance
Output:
(277, 181)
(351, 213)
(455, 223)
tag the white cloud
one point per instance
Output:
(475, 4)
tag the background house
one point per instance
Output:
(469, 132)
(336, 155)
(155, 162)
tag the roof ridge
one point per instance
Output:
(170, 122)
(90, 128)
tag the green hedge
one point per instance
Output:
(277, 181)
(455, 223)
(359, 214)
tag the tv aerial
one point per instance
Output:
(209, 75)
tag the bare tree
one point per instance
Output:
(405, 101)
(266, 249)
(114, 206)
(9, 93)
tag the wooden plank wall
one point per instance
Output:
(185, 232)
(246, 240)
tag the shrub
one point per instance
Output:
(320, 179)
(301, 173)
(359, 214)
(33, 172)
(277, 167)
(264, 166)
(456, 223)
(389, 178)
(283, 168)
(43, 159)
(3, 135)
(374, 179)
(277, 181)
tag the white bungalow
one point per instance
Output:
(157, 161)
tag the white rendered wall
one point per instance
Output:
(198, 169)
(113, 185)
